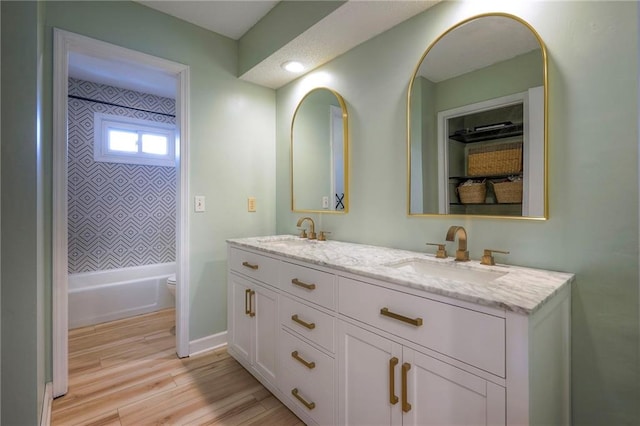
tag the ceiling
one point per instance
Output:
(122, 74)
(476, 42)
(352, 23)
(476, 45)
(348, 26)
(229, 18)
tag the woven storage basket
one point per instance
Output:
(508, 192)
(502, 159)
(474, 193)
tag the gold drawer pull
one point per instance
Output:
(305, 324)
(406, 407)
(393, 398)
(250, 266)
(310, 365)
(299, 283)
(309, 405)
(247, 301)
(252, 313)
(387, 313)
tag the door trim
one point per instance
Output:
(64, 43)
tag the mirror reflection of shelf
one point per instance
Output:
(485, 176)
(488, 132)
(484, 204)
(493, 140)
(490, 208)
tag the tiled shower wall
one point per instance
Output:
(120, 215)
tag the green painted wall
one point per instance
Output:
(593, 170)
(505, 78)
(232, 156)
(231, 135)
(24, 323)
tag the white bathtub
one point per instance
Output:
(96, 297)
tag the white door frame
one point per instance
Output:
(65, 43)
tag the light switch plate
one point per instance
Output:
(325, 202)
(199, 203)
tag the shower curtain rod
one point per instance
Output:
(82, 98)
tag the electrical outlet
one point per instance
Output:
(325, 202)
(251, 204)
(199, 203)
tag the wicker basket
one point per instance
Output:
(474, 193)
(508, 192)
(489, 160)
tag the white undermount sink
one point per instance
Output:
(287, 242)
(438, 270)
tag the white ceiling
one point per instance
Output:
(348, 26)
(355, 22)
(476, 45)
(121, 74)
(229, 18)
(472, 46)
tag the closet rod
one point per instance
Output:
(82, 98)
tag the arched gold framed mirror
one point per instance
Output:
(477, 122)
(319, 153)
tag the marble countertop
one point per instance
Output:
(513, 288)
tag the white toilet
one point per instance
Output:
(171, 285)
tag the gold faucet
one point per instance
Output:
(487, 257)
(312, 231)
(462, 255)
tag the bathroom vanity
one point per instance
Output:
(354, 334)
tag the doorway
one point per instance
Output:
(66, 44)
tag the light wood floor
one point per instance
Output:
(126, 373)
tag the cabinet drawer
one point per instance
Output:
(256, 266)
(472, 337)
(310, 372)
(308, 322)
(309, 284)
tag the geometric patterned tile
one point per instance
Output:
(120, 215)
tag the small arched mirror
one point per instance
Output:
(319, 154)
(477, 130)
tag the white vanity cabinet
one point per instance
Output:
(307, 344)
(342, 345)
(386, 382)
(253, 312)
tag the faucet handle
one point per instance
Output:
(441, 253)
(303, 233)
(487, 257)
(322, 235)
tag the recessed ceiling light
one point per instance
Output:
(293, 66)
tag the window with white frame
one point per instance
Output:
(120, 139)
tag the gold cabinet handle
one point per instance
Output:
(406, 407)
(251, 311)
(250, 266)
(247, 295)
(299, 283)
(387, 313)
(305, 324)
(310, 365)
(309, 405)
(393, 398)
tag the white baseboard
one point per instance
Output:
(207, 343)
(45, 420)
